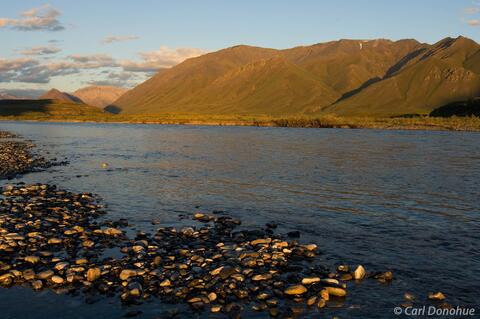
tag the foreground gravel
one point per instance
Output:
(18, 157)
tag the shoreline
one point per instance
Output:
(407, 124)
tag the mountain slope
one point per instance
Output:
(99, 95)
(55, 94)
(440, 75)
(346, 77)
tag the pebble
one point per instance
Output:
(311, 280)
(436, 296)
(93, 274)
(211, 266)
(359, 273)
(334, 291)
(57, 280)
(295, 290)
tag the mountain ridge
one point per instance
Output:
(378, 77)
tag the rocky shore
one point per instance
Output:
(53, 239)
(18, 157)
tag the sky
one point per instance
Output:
(72, 44)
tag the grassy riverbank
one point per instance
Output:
(414, 123)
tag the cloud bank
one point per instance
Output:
(108, 70)
(43, 18)
(40, 50)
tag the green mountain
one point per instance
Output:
(346, 77)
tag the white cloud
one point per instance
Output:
(165, 57)
(40, 50)
(119, 38)
(43, 18)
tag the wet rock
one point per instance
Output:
(310, 280)
(359, 273)
(93, 274)
(436, 296)
(45, 274)
(335, 291)
(127, 273)
(37, 284)
(295, 290)
(32, 259)
(57, 280)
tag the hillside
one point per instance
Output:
(99, 95)
(41, 109)
(55, 94)
(345, 77)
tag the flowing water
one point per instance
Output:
(407, 201)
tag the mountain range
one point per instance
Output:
(95, 95)
(99, 95)
(346, 77)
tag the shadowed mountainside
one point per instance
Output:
(346, 77)
(46, 108)
(470, 107)
(99, 95)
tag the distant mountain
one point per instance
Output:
(6, 96)
(99, 95)
(345, 77)
(55, 94)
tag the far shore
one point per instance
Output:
(398, 123)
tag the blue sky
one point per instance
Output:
(156, 34)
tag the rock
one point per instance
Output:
(321, 303)
(409, 296)
(311, 300)
(54, 241)
(385, 276)
(436, 296)
(112, 232)
(343, 268)
(32, 259)
(295, 290)
(338, 292)
(93, 274)
(212, 296)
(359, 273)
(57, 280)
(45, 274)
(37, 284)
(227, 272)
(216, 308)
(324, 294)
(127, 273)
(311, 280)
(261, 241)
(165, 283)
(262, 277)
(61, 265)
(28, 274)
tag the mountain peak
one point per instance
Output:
(54, 94)
(99, 95)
